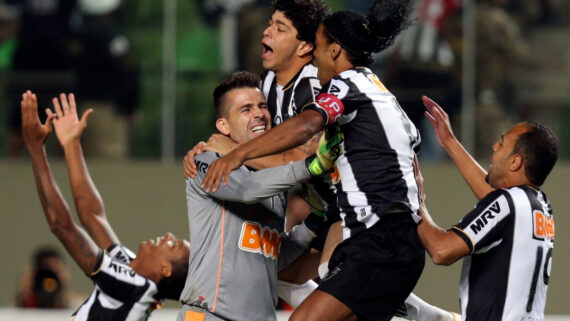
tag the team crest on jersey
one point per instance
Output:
(543, 225)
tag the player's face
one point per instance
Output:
(248, 116)
(323, 59)
(279, 42)
(502, 156)
(166, 247)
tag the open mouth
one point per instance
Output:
(266, 52)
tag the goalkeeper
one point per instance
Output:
(237, 233)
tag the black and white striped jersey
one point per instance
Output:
(286, 101)
(511, 236)
(375, 173)
(120, 293)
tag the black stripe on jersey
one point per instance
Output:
(373, 161)
(271, 101)
(487, 302)
(99, 313)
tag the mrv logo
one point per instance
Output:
(484, 218)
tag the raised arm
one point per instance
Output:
(57, 214)
(87, 200)
(471, 171)
(291, 133)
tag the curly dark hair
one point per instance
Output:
(539, 149)
(239, 79)
(306, 16)
(363, 35)
(171, 287)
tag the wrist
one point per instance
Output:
(35, 148)
(314, 166)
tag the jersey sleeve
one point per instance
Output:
(332, 101)
(306, 91)
(485, 225)
(119, 280)
(247, 186)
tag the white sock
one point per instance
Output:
(419, 310)
(293, 293)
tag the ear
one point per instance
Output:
(165, 269)
(334, 50)
(304, 48)
(223, 126)
(516, 162)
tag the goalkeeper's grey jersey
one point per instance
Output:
(236, 236)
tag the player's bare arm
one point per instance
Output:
(56, 210)
(444, 247)
(291, 133)
(89, 204)
(222, 144)
(471, 171)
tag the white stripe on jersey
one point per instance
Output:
(392, 119)
(488, 219)
(355, 197)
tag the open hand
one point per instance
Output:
(33, 131)
(439, 120)
(190, 170)
(68, 127)
(419, 181)
(217, 143)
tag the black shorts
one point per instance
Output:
(374, 271)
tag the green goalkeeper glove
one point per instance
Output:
(330, 148)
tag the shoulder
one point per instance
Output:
(121, 253)
(204, 160)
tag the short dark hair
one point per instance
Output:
(239, 79)
(306, 16)
(538, 147)
(172, 286)
(361, 36)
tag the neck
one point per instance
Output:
(140, 271)
(284, 76)
(517, 180)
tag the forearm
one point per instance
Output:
(55, 208)
(444, 247)
(291, 133)
(250, 187)
(292, 155)
(471, 171)
(87, 199)
(58, 215)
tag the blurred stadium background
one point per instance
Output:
(148, 68)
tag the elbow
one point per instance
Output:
(442, 257)
(58, 225)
